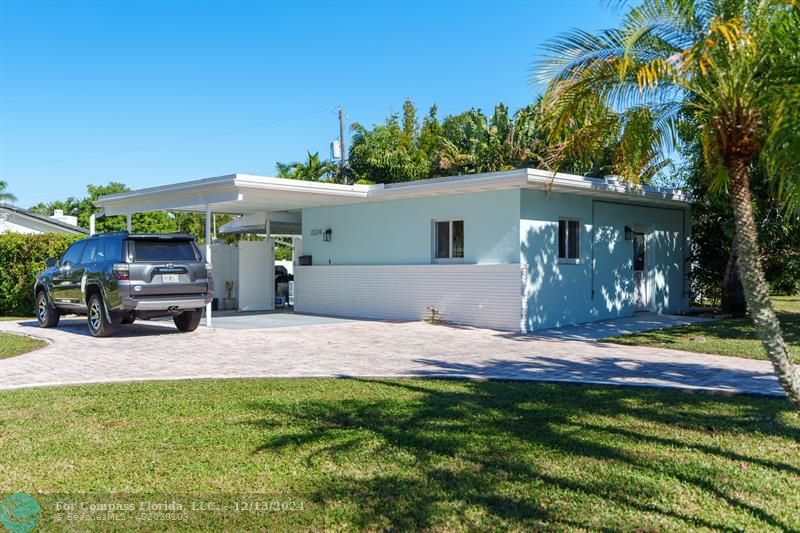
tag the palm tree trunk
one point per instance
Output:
(733, 299)
(755, 286)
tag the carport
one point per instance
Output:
(265, 205)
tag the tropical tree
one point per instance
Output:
(392, 151)
(6, 196)
(732, 67)
(155, 222)
(402, 149)
(312, 169)
(70, 206)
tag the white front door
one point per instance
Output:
(640, 296)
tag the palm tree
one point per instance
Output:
(312, 169)
(6, 196)
(729, 67)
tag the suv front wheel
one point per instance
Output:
(47, 316)
(99, 326)
(187, 321)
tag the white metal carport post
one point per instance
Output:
(208, 258)
(128, 221)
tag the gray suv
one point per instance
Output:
(115, 278)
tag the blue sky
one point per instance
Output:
(149, 92)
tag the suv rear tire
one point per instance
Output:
(99, 326)
(187, 321)
(47, 316)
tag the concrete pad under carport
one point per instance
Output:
(272, 319)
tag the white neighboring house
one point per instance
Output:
(17, 220)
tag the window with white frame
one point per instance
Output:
(569, 240)
(448, 241)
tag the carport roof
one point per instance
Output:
(244, 193)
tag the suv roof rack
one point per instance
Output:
(109, 233)
(176, 235)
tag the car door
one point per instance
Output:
(77, 276)
(64, 289)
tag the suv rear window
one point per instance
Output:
(164, 251)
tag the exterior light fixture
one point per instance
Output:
(628, 233)
(327, 235)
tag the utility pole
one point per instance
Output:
(342, 151)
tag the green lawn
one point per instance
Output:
(9, 318)
(411, 454)
(11, 345)
(724, 337)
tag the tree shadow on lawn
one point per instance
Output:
(512, 454)
(609, 369)
(730, 329)
(743, 328)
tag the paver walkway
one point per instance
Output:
(152, 350)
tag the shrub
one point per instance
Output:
(21, 258)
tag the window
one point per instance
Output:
(89, 252)
(448, 243)
(163, 251)
(569, 240)
(112, 250)
(638, 251)
(73, 254)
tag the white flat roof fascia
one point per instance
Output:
(194, 186)
(234, 187)
(570, 183)
(451, 185)
(229, 188)
(283, 184)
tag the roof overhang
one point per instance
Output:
(286, 223)
(38, 222)
(232, 194)
(606, 188)
(244, 193)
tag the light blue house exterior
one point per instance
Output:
(519, 225)
(600, 284)
(521, 250)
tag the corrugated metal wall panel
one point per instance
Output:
(478, 295)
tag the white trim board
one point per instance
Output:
(244, 193)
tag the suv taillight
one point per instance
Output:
(121, 270)
(209, 270)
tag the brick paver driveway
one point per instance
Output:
(146, 351)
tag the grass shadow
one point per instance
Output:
(520, 455)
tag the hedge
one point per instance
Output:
(21, 258)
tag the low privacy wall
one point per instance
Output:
(488, 296)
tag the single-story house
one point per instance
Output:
(17, 220)
(519, 250)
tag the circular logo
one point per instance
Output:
(20, 513)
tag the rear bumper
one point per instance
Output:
(165, 304)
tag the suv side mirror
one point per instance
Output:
(50, 262)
